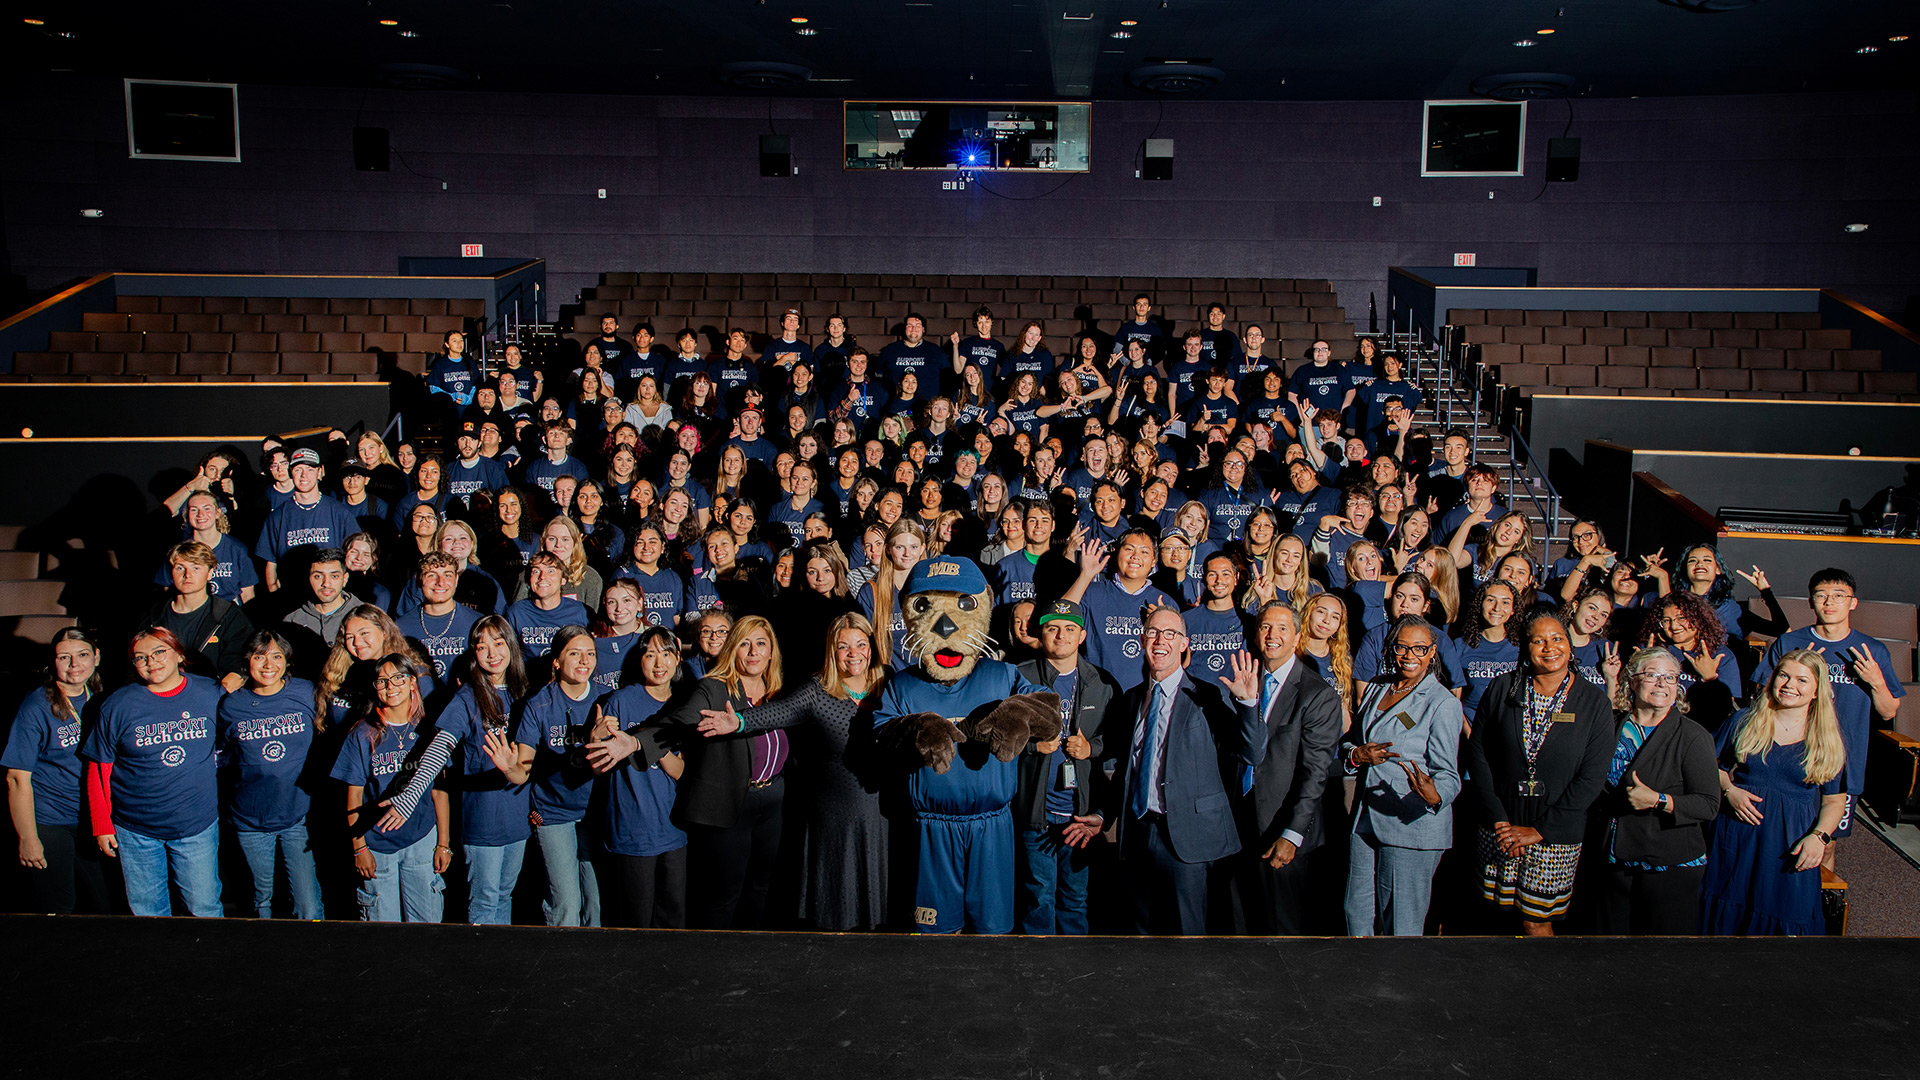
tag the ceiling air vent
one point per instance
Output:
(762, 75)
(1523, 86)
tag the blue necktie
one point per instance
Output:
(1149, 751)
(1266, 702)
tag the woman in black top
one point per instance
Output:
(1537, 758)
(730, 794)
(1647, 837)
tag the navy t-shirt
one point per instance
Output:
(232, 568)
(1484, 663)
(464, 481)
(442, 638)
(542, 471)
(266, 739)
(637, 818)
(924, 360)
(161, 749)
(611, 656)
(493, 812)
(556, 726)
(1059, 795)
(1214, 636)
(536, 627)
(380, 768)
(1113, 627)
(44, 745)
(1319, 387)
(1852, 704)
(326, 523)
(983, 353)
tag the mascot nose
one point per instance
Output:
(944, 627)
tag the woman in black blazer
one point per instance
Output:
(1647, 834)
(1538, 758)
(729, 797)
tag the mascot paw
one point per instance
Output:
(934, 737)
(1008, 727)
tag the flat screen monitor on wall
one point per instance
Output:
(1052, 137)
(1473, 138)
(183, 121)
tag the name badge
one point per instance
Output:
(1405, 721)
(1562, 718)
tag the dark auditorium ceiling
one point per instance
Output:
(1263, 50)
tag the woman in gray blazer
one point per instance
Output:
(1407, 730)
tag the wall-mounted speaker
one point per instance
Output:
(1158, 163)
(776, 155)
(1563, 161)
(370, 151)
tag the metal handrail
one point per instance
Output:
(1452, 366)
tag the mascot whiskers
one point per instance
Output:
(962, 716)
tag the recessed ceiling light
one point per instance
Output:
(806, 31)
(1129, 22)
(389, 22)
(409, 33)
(1525, 43)
(1121, 35)
(1896, 37)
(43, 22)
(1546, 30)
(1865, 49)
(798, 19)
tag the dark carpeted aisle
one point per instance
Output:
(1883, 888)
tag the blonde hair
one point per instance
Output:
(220, 523)
(1206, 526)
(949, 518)
(1339, 658)
(373, 437)
(727, 670)
(884, 586)
(830, 680)
(1637, 663)
(1346, 563)
(473, 539)
(1823, 754)
(1300, 592)
(577, 564)
(1445, 580)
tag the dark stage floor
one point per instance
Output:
(179, 997)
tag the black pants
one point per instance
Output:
(649, 890)
(1268, 901)
(73, 880)
(1169, 896)
(1650, 902)
(729, 869)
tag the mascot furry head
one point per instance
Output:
(946, 606)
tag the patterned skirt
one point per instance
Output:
(1538, 881)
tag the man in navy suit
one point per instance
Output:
(1186, 742)
(1279, 804)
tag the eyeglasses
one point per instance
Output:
(398, 679)
(1398, 649)
(1158, 632)
(713, 633)
(1658, 680)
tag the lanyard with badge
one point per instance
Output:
(1540, 712)
(1068, 779)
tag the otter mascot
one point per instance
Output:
(960, 717)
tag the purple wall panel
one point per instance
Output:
(1701, 191)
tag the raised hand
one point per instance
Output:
(1757, 579)
(1373, 753)
(1244, 683)
(1866, 670)
(720, 722)
(1639, 795)
(1706, 662)
(1610, 663)
(501, 751)
(1093, 552)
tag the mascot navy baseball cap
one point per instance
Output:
(1062, 609)
(945, 574)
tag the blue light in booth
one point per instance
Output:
(975, 152)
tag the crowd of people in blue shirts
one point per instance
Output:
(627, 612)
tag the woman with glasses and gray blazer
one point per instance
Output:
(1406, 750)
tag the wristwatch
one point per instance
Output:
(1825, 838)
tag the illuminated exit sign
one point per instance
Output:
(475, 251)
(1460, 258)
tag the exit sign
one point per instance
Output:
(1460, 258)
(475, 251)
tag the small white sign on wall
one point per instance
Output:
(1460, 258)
(475, 251)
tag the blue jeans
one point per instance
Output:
(1053, 883)
(1392, 885)
(491, 873)
(573, 892)
(403, 886)
(192, 863)
(302, 880)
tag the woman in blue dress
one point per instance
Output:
(1783, 771)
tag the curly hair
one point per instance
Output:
(1697, 612)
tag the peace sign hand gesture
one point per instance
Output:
(1421, 782)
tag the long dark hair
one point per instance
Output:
(492, 713)
(366, 710)
(56, 700)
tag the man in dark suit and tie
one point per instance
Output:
(1185, 743)
(1278, 803)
